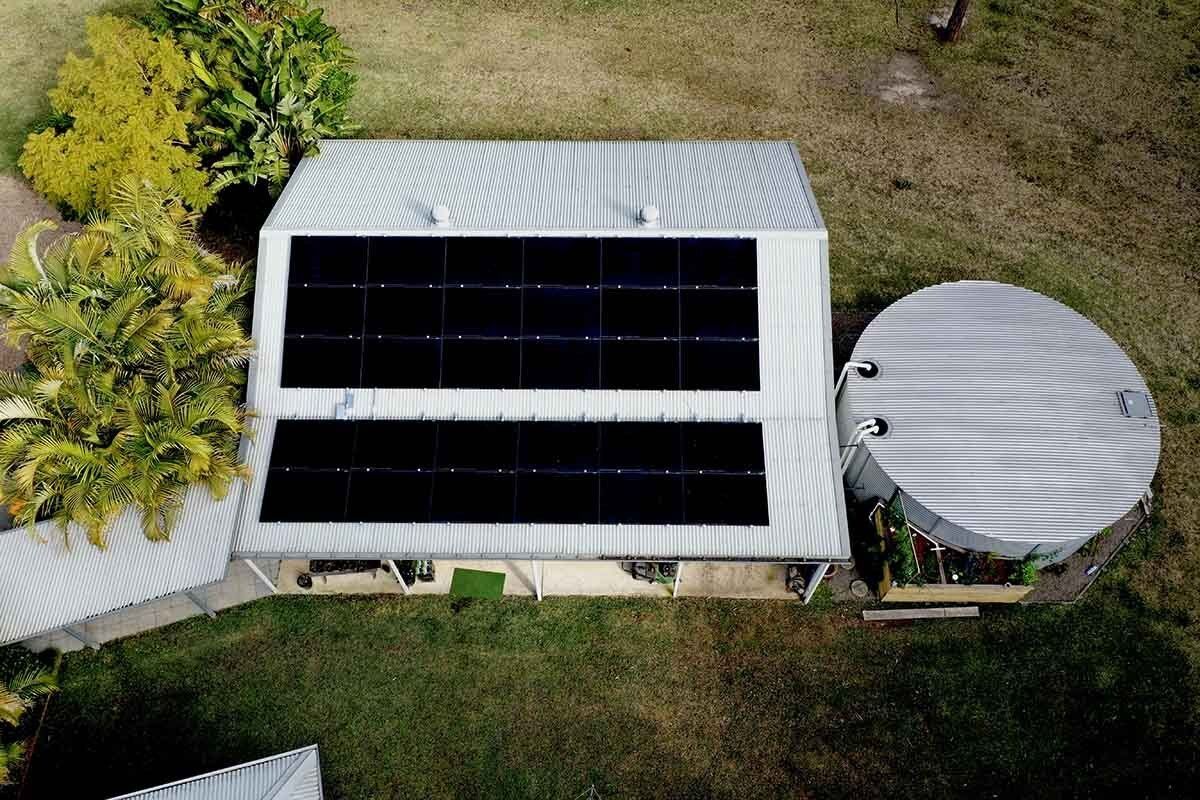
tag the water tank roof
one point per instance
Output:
(1009, 414)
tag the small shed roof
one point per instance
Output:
(288, 776)
(1003, 412)
(527, 187)
(49, 582)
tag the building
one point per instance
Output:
(510, 350)
(544, 350)
(288, 776)
(1004, 421)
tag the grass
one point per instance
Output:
(409, 697)
(1064, 156)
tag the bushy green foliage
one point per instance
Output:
(1027, 571)
(119, 112)
(20, 689)
(273, 79)
(137, 356)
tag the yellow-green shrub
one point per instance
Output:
(121, 112)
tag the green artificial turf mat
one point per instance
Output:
(477, 583)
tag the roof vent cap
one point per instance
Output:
(440, 215)
(648, 215)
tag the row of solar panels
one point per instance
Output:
(536, 472)
(508, 313)
(514, 261)
(519, 364)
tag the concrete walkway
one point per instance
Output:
(240, 586)
(561, 578)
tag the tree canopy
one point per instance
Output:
(137, 356)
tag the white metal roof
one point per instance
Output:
(749, 189)
(47, 583)
(287, 776)
(1002, 410)
(531, 187)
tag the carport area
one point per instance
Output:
(559, 578)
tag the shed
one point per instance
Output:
(1008, 423)
(295, 775)
(544, 350)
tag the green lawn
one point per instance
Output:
(409, 698)
(1064, 156)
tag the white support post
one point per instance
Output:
(536, 566)
(396, 574)
(81, 637)
(200, 604)
(678, 577)
(818, 576)
(261, 575)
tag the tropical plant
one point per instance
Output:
(137, 358)
(17, 695)
(118, 112)
(273, 80)
(1027, 570)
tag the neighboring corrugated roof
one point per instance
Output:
(529, 187)
(1003, 412)
(46, 585)
(287, 776)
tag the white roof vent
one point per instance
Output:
(648, 215)
(440, 215)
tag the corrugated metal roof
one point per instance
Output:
(48, 583)
(287, 776)
(531, 187)
(1003, 412)
(803, 499)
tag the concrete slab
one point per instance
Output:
(562, 578)
(240, 586)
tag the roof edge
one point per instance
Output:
(297, 753)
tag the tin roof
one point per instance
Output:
(287, 776)
(523, 187)
(752, 190)
(1004, 412)
(50, 582)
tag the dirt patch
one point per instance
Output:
(1066, 581)
(904, 81)
(19, 206)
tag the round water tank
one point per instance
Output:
(1014, 424)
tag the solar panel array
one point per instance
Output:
(666, 473)
(508, 313)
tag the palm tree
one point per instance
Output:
(16, 697)
(137, 356)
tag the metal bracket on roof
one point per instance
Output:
(342, 409)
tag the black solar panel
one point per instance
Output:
(666, 473)
(545, 313)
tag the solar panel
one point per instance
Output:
(328, 260)
(507, 313)
(406, 261)
(562, 262)
(718, 262)
(659, 473)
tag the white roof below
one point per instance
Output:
(1003, 413)
(287, 776)
(380, 186)
(48, 583)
